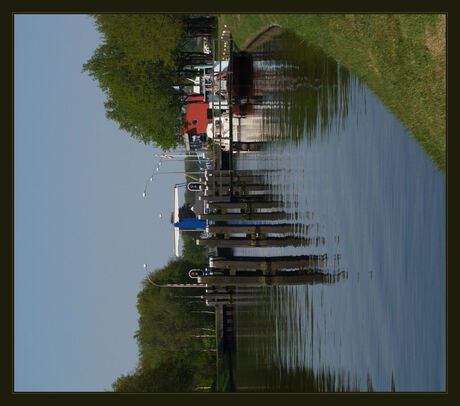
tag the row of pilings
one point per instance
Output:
(244, 212)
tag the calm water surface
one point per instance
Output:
(363, 183)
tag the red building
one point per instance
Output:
(196, 118)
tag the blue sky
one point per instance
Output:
(82, 230)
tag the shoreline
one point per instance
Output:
(401, 58)
(261, 37)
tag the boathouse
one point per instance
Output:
(196, 120)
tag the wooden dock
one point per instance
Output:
(270, 280)
(262, 241)
(268, 263)
(244, 212)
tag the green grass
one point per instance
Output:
(401, 57)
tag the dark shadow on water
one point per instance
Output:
(273, 378)
(256, 365)
(306, 91)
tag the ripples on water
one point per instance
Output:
(362, 184)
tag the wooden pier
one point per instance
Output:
(309, 278)
(249, 228)
(258, 241)
(268, 263)
(251, 215)
(244, 212)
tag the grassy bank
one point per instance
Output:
(401, 57)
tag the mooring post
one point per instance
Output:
(236, 242)
(258, 263)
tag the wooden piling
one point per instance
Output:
(215, 198)
(276, 263)
(238, 242)
(242, 172)
(250, 228)
(225, 180)
(277, 215)
(239, 189)
(269, 280)
(248, 205)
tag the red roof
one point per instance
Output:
(196, 116)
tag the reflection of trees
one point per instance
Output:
(273, 378)
(309, 89)
(264, 333)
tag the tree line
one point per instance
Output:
(141, 58)
(172, 356)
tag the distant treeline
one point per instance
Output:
(141, 58)
(171, 356)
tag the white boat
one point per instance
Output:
(218, 130)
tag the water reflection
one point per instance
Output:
(378, 202)
(305, 91)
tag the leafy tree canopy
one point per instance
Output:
(167, 322)
(172, 356)
(144, 37)
(136, 68)
(171, 375)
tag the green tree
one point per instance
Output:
(144, 37)
(141, 59)
(192, 252)
(171, 357)
(167, 322)
(136, 68)
(138, 97)
(171, 375)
